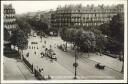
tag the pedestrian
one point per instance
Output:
(42, 69)
(29, 47)
(45, 42)
(39, 70)
(46, 49)
(50, 46)
(35, 52)
(55, 45)
(49, 77)
(27, 54)
(51, 60)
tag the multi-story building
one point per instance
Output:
(9, 25)
(9, 18)
(43, 16)
(78, 16)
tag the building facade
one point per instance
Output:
(9, 18)
(78, 16)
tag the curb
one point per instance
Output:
(99, 62)
(27, 67)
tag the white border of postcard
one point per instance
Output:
(73, 81)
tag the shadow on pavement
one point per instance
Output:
(12, 54)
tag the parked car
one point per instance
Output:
(62, 47)
(109, 54)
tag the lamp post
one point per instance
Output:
(122, 70)
(75, 64)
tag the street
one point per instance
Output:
(64, 64)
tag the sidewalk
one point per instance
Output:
(110, 62)
(14, 70)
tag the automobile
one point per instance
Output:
(51, 54)
(34, 43)
(42, 54)
(34, 36)
(27, 55)
(29, 34)
(99, 66)
(109, 54)
(45, 36)
(54, 57)
(62, 47)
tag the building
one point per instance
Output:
(9, 25)
(75, 16)
(43, 16)
(9, 18)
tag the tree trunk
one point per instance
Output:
(66, 45)
(21, 55)
(88, 53)
(100, 52)
(122, 70)
(41, 39)
(14, 47)
(18, 49)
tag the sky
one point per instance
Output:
(33, 6)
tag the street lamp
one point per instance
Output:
(75, 64)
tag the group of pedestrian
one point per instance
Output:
(33, 47)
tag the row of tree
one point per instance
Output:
(115, 33)
(108, 36)
(25, 25)
(19, 39)
(20, 34)
(87, 41)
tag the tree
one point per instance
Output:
(24, 25)
(104, 28)
(39, 26)
(80, 38)
(115, 33)
(101, 42)
(116, 30)
(6, 35)
(87, 40)
(19, 39)
(66, 35)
